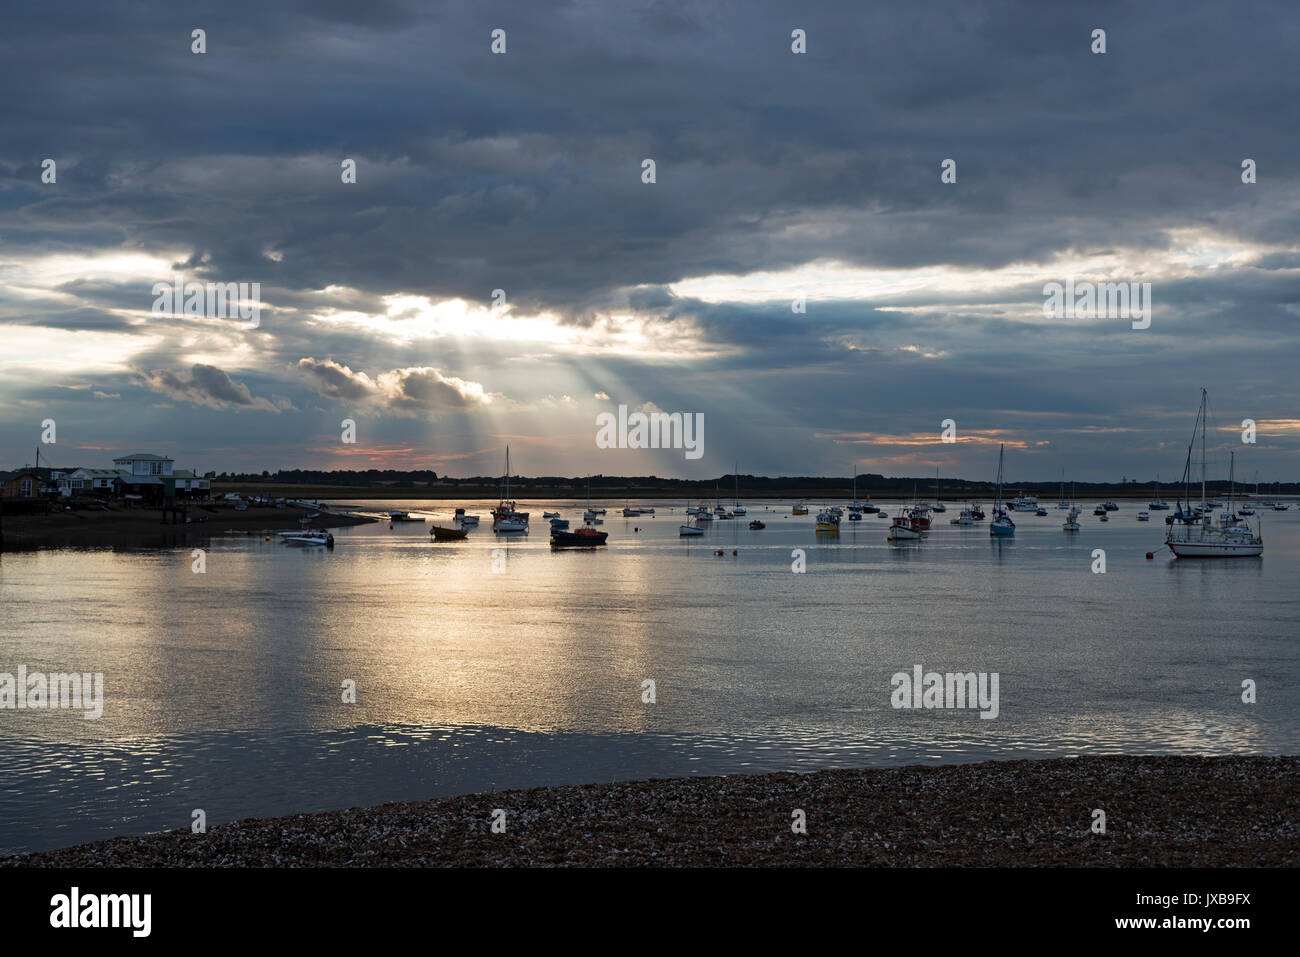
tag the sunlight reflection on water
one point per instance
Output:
(223, 689)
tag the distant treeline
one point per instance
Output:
(869, 483)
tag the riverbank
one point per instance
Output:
(462, 493)
(144, 528)
(1160, 812)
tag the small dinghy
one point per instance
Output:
(441, 533)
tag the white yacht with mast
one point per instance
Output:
(1229, 539)
(1001, 526)
(505, 518)
(1071, 523)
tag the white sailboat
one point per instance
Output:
(1071, 523)
(737, 509)
(855, 507)
(505, 518)
(1232, 539)
(1001, 526)
(592, 516)
(692, 527)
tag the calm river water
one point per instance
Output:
(223, 690)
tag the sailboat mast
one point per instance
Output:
(1203, 446)
(1232, 482)
(997, 505)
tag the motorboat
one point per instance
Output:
(800, 509)
(901, 529)
(919, 517)
(828, 522)
(560, 523)
(308, 536)
(403, 517)
(580, 538)
(1144, 516)
(756, 525)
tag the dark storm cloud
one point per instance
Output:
(479, 171)
(205, 385)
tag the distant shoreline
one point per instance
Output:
(1178, 811)
(327, 493)
(143, 527)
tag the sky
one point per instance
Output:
(777, 176)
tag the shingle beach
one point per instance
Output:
(1160, 811)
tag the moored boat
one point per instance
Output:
(901, 528)
(308, 536)
(441, 533)
(506, 519)
(828, 522)
(1231, 539)
(1002, 526)
(579, 538)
